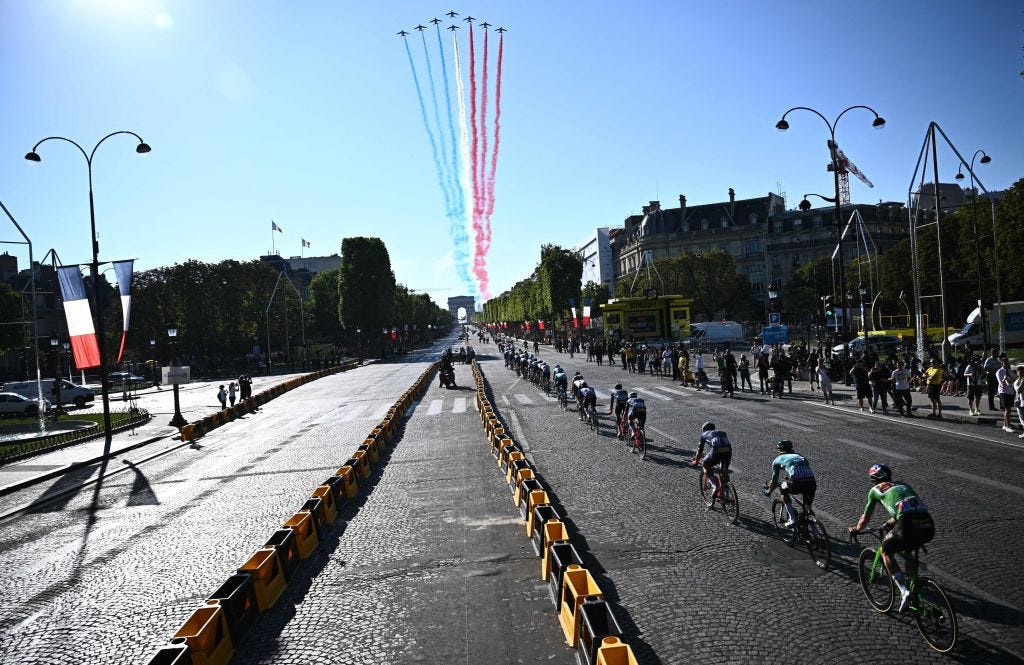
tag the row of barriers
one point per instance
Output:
(586, 618)
(209, 635)
(203, 426)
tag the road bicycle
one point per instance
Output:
(590, 418)
(930, 606)
(621, 427)
(726, 495)
(563, 400)
(807, 528)
(637, 441)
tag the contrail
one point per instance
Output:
(483, 145)
(446, 178)
(426, 123)
(479, 258)
(453, 158)
(497, 143)
(463, 145)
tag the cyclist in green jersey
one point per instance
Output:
(909, 523)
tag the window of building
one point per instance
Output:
(753, 219)
(753, 246)
(796, 260)
(704, 224)
(798, 224)
(755, 276)
(817, 221)
(724, 222)
(777, 227)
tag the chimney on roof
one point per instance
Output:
(646, 209)
(682, 212)
(655, 205)
(732, 201)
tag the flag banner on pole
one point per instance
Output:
(573, 313)
(275, 227)
(540, 324)
(79, 317)
(586, 316)
(306, 243)
(123, 271)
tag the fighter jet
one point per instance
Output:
(435, 21)
(485, 25)
(501, 30)
(402, 33)
(453, 28)
(469, 19)
(421, 28)
(452, 14)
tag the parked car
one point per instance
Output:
(69, 392)
(119, 378)
(883, 345)
(13, 404)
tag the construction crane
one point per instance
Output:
(845, 167)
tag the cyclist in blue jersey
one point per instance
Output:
(719, 452)
(618, 403)
(799, 478)
(587, 397)
(636, 412)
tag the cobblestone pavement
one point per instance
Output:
(107, 574)
(696, 587)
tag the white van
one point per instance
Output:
(69, 392)
(717, 332)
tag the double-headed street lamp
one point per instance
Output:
(985, 159)
(833, 149)
(178, 420)
(33, 156)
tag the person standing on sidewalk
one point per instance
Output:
(825, 381)
(1005, 381)
(900, 378)
(222, 397)
(232, 392)
(991, 367)
(879, 387)
(975, 376)
(762, 371)
(861, 382)
(745, 374)
(933, 378)
(1018, 386)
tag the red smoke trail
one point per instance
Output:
(497, 142)
(479, 258)
(483, 147)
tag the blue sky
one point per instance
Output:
(304, 112)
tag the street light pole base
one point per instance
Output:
(178, 421)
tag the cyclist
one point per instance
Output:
(719, 452)
(618, 403)
(587, 397)
(799, 478)
(577, 379)
(636, 412)
(909, 524)
(546, 374)
(561, 380)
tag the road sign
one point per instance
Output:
(775, 334)
(774, 318)
(176, 375)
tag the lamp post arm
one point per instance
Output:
(100, 142)
(856, 106)
(35, 148)
(831, 126)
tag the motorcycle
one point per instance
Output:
(448, 377)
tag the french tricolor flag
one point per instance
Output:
(79, 316)
(123, 270)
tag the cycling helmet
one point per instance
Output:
(879, 473)
(785, 446)
(708, 426)
(558, 367)
(618, 386)
(575, 374)
(632, 394)
(583, 384)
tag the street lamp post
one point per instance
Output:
(55, 347)
(67, 359)
(863, 292)
(94, 267)
(985, 159)
(833, 149)
(178, 420)
(359, 348)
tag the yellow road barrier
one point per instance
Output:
(267, 576)
(554, 532)
(305, 532)
(326, 496)
(614, 652)
(206, 633)
(577, 585)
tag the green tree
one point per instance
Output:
(12, 334)
(323, 304)
(366, 294)
(559, 274)
(598, 294)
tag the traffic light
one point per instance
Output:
(827, 306)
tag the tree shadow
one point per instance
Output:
(142, 493)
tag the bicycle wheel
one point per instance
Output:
(934, 616)
(592, 417)
(642, 443)
(780, 516)
(706, 492)
(818, 543)
(731, 503)
(878, 586)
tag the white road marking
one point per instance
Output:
(504, 398)
(664, 434)
(517, 426)
(674, 391)
(352, 412)
(460, 405)
(874, 449)
(984, 481)
(435, 407)
(381, 411)
(655, 395)
(791, 425)
(523, 399)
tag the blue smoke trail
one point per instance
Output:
(426, 125)
(457, 213)
(449, 190)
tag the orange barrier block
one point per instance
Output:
(326, 495)
(513, 468)
(349, 479)
(537, 498)
(188, 432)
(520, 476)
(369, 446)
(577, 585)
(554, 532)
(614, 652)
(362, 463)
(206, 633)
(305, 532)
(264, 567)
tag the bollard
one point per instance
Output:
(238, 600)
(318, 512)
(554, 532)
(305, 532)
(283, 542)
(563, 555)
(531, 495)
(369, 446)
(326, 495)
(206, 634)
(577, 585)
(521, 475)
(362, 463)
(349, 479)
(514, 466)
(176, 653)
(508, 455)
(337, 486)
(498, 444)
(598, 622)
(496, 434)
(264, 567)
(535, 529)
(614, 652)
